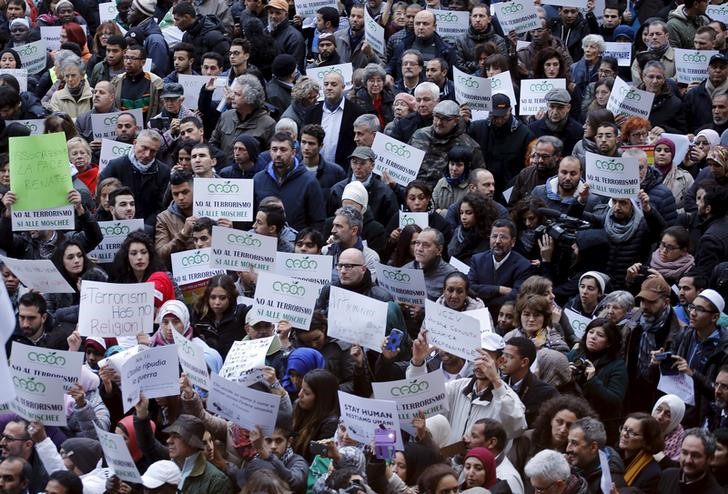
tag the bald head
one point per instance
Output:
(424, 24)
(103, 97)
(351, 267)
(333, 87)
(482, 182)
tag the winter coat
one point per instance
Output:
(445, 194)
(155, 92)
(62, 101)
(155, 45)
(219, 12)
(569, 135)
(328, 175)
(403, 128)
(667, 59)
(713, 246)
(169, 234)
(81, 422)
(434, 276)
(554, 339)
(465, 47)
(443, 49)
(278, 94)
(698, 107)
(353, 54)
(31, 107)
(671, 482)
(382, 201)
(667, 112)
(258, 124)
(207, 34)
(485, 280)
(661, 197)
(221, 334)
(681, 28)
(289, 40)
(548, 192)
(573, 35)
(526, 181)
(582, 75)
(365, 102)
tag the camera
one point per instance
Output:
(560, 227)
(580, 365)
(644, 270)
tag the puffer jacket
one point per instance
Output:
(155, 45)
(681, 28)
(207, 34)
(465, 47)
(661, 197)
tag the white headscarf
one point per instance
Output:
(677, 410)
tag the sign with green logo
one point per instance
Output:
(407, 218)
(107, 11)
(629, 101)
(192, 266)
(577, 321)
(615, 177)
(117, 456)
(407, 286)
(373, 33)
(103, 125)
(280, 298)
(61, 367)
(400, 160)
(236, 250)
(533, 94)
(192, 359)
(33, 56)
(519, 16)
(110, 150)
(451, 23)
(114, 234)
(38, 397)
(223, 198)
(691, 66)
(312, 268)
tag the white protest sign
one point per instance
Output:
(61, 367)
(718, 13)
(248, 408)
(319, 73)
(400, 160)
(7, 316)
(192, 359)
(52, 36)
(363, 416)
(484, 320)
(682, 145)
(459, 265)
(237, 250)
(692, 65)
(38, 274)
(617, 177)
(38, 398)
(34, 125)
(103, 125)
(107, 11)
(503, 84)
(452, 331)
(421, 394)
(308, 8)
(680, 385)
(517, 15)
(311, 268)
(60, 218)
(281, 298)
(451, 23)
(118, 359)
(407, 286)
(520, 44)
(373, 33)
(627, 100)
(192, 85)
(6, 381)
(110, 150)
(154, 371)
(472, 90)
(357, 319)
(577, 321)
(621, 51)
(21, 75)
(109, 310)
(191, 266)
(533, 94)
(115, 232)
(117, 456)
(223, 198)
(408, 218)
(243, 356)
(33, 56)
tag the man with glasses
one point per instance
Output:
(557, 121)
(16, 442)
(717, 414)
(136, 88)
(696, 452)
(412, 71)
(546, 157)
(428, 257)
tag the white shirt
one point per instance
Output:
(331, 123)
(497, 264)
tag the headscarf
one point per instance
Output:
(677, 410)
(163, 287)
(301, 360)
(178, 309)
(488, 460)
(720, 155)
(127, 425)
(665, 169)
(712, 136)
(439, 429)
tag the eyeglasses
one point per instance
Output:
(347, 267)
(626, 431)
(668, 247)
(640, 133)
(700, 309)
(5, 437)
(541, 490)
(540, 156)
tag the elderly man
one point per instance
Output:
(413, 67)
(286, 37)
(427, 96)
(480, 31)
(717, 416)
(658, 48)
(586, 438)
(103, 101)
(557, 122)
(447, 130)
(694, 475)
(549, 473)
(428, 257)
(546, 155)
(346, 232)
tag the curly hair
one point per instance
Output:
(542, 438)
(545, 54)
(632, 124)
(121, 270)
(484, 210)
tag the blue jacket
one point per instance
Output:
(155, 45)
(299, 191)
(485, 279)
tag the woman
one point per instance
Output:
(483, 52)
(300, 362)
(456, 294)
(472, 234)
(103, 32)
(125, 428)
(173, 316)
(74, 33)
(217, 318)
(602, 91)
(527, 218)
(409, 464)
(540, 285)
(75, 97)
(617, 306)
(404, 104)
(136, 259)
(639, 438)
(182, 158)
(674, 178)
(9, 59)
(636, 131)
(601, 373)
(592, 286)
(374, 97)
(438, 479)
(72, 262)
(534, 319)
(696, 158)
(20, 33)
(79, 154)
(497, 63)
(304, 96)
(608, 69)
(316, 413)
(586, 70)
(669, 411)
(453, 186)
(672, 258)
(103, 189)
(479, 469)
(666, 111)
(555, 418)
(404, 248)
(397, 21)
(550, 64)
(60, 122)
(58, 13)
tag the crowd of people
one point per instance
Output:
(598, 307)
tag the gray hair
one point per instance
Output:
(555, 143)
(654, 64)
(705, 437)
(303, 87)
(660, 23)
(62, 55)
(72, 60)
(150, 134)
(620, 298)
(253, 93)
(593, 39)
(353, 217)
(428, 86)
(635, 153)
(439, 237)
(368, 120)
(373, 70)
(593, 430)
(286, 123)
(549, 465)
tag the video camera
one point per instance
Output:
(560, 227)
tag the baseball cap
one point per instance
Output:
(653, 288)
(560, 96)
(172, 90)
(718, 57)
(278, 4)
(161, 472)
(190, 428)
(364, 153)
(501, 103)
(714, 298)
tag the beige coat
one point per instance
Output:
(62, 101)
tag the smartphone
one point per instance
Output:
(666, 360)
(385, 441)
(317, 448)
(394, 340)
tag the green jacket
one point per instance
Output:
(205, 478)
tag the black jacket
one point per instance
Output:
(222, 334)
(570, 135)
(713, 246)
(698, 107)
(346, 131)
(382, 201)
(207, 34)
(661, 197)
(403, 128)
(667, 112)
(671, 483)
(533, 392)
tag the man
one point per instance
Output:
(427, 96)
(436, 72)
(336, 115)
(713, 246)
(113, 62)
(17, 443)
(661, 197)
(135, 88)
(717, 414)
(286, 37)
(549, 473)
(174, 225)
(34, 323)
(428, 250)
(183, 59)
(699, 101)
(541, 38)
(185, 446)
(704, 38)
(286, 178)
(253, 8)
(518, 356)
(191, 132)
(610, 21)
(561, 192)
(684, 21)
(658, 47)
(382, 201)
(327, 174)
(144, 26)
(346, 232)
(447, 130)
(689, 286)
(497, 274)
(203, 161)
(365, 130)
(481, 182)
(127, 128)
(245, 159)
(504, 139)
(275, 452)
(412, 68)
(571, 27)
(205, 33)
(143, 173)
(489, 433)
(122, 204)
(694, 475)
(720, 37)
(212, 64)
(480, 31)
(202, 233)
(587, 438)
(350, 43)
(103, 101)
(327, 54)
(557, 122)
(269, 222)
(238, 58)
(248, 115)
(15, 475)
(326, 24)
(278, 89)
(168, 121)
(546, 155)
(17, 106)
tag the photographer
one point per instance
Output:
(671, 258)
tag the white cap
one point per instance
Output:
(493, 342)
(161, 472)
(714, 298)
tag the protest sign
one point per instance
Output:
(451, 23)
(615, 177)
(533, 94)
(408, 218)
(472, 90)
(517, 15)
(577, 321)
(109, 310)
(60, 218)
(691, 66)
(357, 319)
(319, 73)
(115, 232)
(459, 265)
(680, 385)
(649, 150)
(33, 56)
(717, 13)
(627, 100)
(243, 356)
(38, 398)
(38, 274)
(248, 408)
(7, 316)
(117, 456)
(400, 160)
(484, 319)
(21, 75)
(191, 266)
(223, 198)
(192, 85)
(52, 36)
(192, 359)
(154, 372)
(682, 146)
(6, 384)
(621, 51)
(503, 84)
(236, 250)
(103, 125)
(107, 11)
(452, 331)
(308, 8)
(363, 416)
(424, 394)
(312, 268)
(61, 367)
(280, 298)
(34, 125)
(373, 33)
(110, 150)
(407, 286)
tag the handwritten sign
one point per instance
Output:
(627, 100)
(308, 8)
(451, 23)
(281, 298)
(400, 160)
(192, 359)
(223, 198)
(34, 125)
(61, 367)
(21, 75)
(533, 94)
(373, 33)
(38, 274)
(115, 309)
(680, 385)
(103, 125)
(115, 232)
(452, 331)
(243, 356)
(312, 268)
(108, 11)
(249, 408)
(407, 286)
(408, 218)
(117, 456)
(110, 150)
(357, 319)
(318, 74)
(38, 398)
(33, 56)
(578, 322)
(517, 15)
(616, 177)
(424, 394)
(236, 250)
(363, 416)
(692, 65)
(621, 51)
(192, 85)
(154, 371)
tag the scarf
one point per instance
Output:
(663, 169)
(618, 232)
(673, 443)
(556, 127)
(241, 442)
(716, 90)
(637, 464)
(139, 166)
(355, 38)
(648, 343)
(672, 270)
(77, 92)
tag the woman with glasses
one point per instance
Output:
(697, 157)
(534, 322)
(666, 111)
(374, 97)
(672, 258)
(640, 437)
(637, 131)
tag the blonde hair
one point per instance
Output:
(79, 141)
